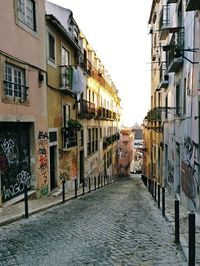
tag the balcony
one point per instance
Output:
(66, 74)
(164, 78)
(174, 54)
(154, 115)
(192, 5)
(69, 135)
(86, 109)
(164, 22)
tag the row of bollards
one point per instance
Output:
(154, 189)
(98, 182)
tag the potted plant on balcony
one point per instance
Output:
(72, 123)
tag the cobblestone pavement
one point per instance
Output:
(117, 225)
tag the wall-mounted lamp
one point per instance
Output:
(40, 76)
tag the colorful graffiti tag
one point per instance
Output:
(189, 170)
(43, 161)
(14, 160)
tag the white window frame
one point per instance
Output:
(51, 61)
(26, 13)
(64, 70)
(15, 85)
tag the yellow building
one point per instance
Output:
(153, 128)
(83, 105)
(63, 50)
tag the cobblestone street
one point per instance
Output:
(116, 225)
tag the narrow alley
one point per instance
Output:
(117, 225)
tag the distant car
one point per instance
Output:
(136, 167)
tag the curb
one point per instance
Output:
(45, 207)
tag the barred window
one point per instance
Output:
(15, 82)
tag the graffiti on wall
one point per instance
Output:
(189, 169)
(170, 177)
(14, 164)
(23, 181)
(43, 161)
(92, 167)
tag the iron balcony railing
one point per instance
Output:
(154, 114)
(86, 109)
(92, 71)
(69, 137)
(176, 46)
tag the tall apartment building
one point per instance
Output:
(175, 35)
(23, 112)
(59, 109)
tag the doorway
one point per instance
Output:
(52, 167)
(81, 166)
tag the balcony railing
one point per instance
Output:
(192, 5)
(154, 114)
(66, 78)
(164, 22)
(86, 109)
(176, 48)
(91, 70)
(69, 137)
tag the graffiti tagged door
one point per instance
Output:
(14, 159)
(52, 167)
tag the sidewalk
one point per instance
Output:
(184, 226)
(16, 212)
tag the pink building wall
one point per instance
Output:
(23, 48)
(125, 151)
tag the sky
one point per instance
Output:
(118, 32)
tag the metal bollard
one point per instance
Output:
(76, 187)
(89, 184)
(159, 196)
(177, 226)
(98, 181)
(155, 190)
(95, 183)
(63, 191)
(101, 181)
(163, 201)
(191, 251)
(26, 201)
(84, 186)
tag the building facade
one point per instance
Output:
(59, 109)
(175, 35)
(23, 112)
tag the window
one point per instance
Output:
(184, 96)
(15, 82)
(96, 139)
(51, 41)
(89, 142)
(177, 100)
(64, 57)
(66, 73)
(66, 114)
(109, 158)
(26, 13)
(166, 106)
(92, 142)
